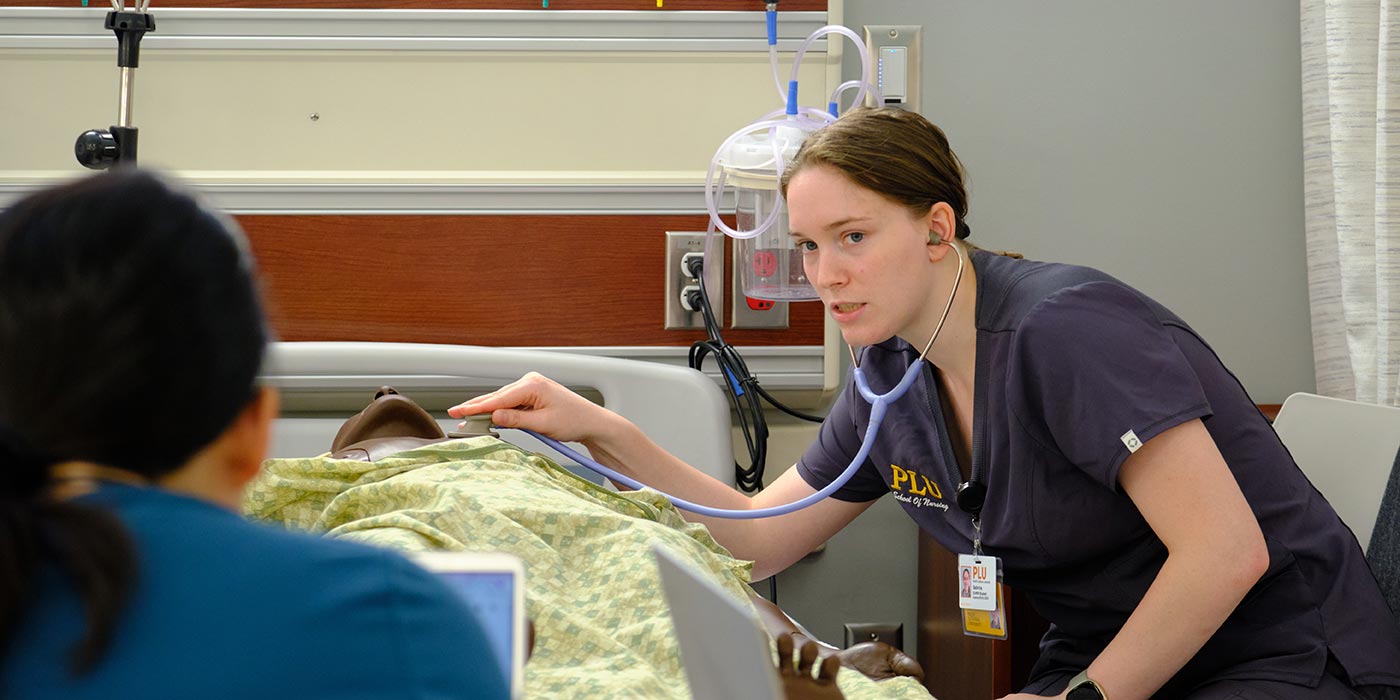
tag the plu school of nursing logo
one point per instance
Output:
(909, 486)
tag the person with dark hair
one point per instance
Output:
(131, 336)
(1082, 432)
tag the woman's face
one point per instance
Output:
(867, 257)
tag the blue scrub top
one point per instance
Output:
(1071, 365)
(228, 609)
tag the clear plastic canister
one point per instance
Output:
(769, 265)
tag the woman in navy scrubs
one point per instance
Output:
(1118, 470)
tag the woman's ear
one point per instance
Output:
(220, 471)
(942, 229)
(252, 432)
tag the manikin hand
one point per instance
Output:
(798, 682)
(879, 661)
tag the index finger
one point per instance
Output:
(508, 396)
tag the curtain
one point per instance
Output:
(1351, 173)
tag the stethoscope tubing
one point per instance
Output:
(878, 404)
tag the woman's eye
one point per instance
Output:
(855, 237)
(806, 246)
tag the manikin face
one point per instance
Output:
(867, 257)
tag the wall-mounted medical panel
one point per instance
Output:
(472, 97)
(474, 176)
(574, 281)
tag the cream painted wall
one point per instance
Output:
(464, 116)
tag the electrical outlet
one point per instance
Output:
(891, 633)
(679, 246)
(895, 59)
(754, 313)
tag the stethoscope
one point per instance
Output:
(878, 405)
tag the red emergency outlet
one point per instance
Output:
(759, 304)
(764, 263)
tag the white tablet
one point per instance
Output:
(724, 649)
(493, 585)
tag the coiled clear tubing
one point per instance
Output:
(784, 129)
(751, 162)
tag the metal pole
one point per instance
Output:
(124, 105)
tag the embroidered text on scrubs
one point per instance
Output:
(916, 485)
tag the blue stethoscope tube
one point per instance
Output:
(878, 404)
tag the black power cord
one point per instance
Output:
(740, 385)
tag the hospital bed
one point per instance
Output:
(323, 383)
(513, 509)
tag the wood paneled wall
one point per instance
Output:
(498, 280)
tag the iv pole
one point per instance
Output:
(100, 149)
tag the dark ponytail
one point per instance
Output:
(124, 304)
(88, 543)
(21, 480)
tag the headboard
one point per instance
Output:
(323, 383)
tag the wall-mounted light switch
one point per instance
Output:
(895, 52)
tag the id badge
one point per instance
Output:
(981, 596)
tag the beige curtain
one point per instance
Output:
(1351, 150)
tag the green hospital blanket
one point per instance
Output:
(592, 589)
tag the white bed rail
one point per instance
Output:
(680, 408)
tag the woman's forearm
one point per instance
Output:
(624, 447)
(1191, 597)
(1215, 554)
(772, 543)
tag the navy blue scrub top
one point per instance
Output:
(1069, 362)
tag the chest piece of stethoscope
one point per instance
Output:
(474, 426)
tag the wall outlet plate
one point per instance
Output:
(891, 633)
(677, 317)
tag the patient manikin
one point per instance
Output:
(394, 427)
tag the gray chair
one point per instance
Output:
(1346, 448)
(1351, 453)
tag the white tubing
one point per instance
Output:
(807, 119)
(712, 192)
(773, 61)
(711, 203)
(873, 90)
(843, 31)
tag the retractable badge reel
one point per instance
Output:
(981, 595)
